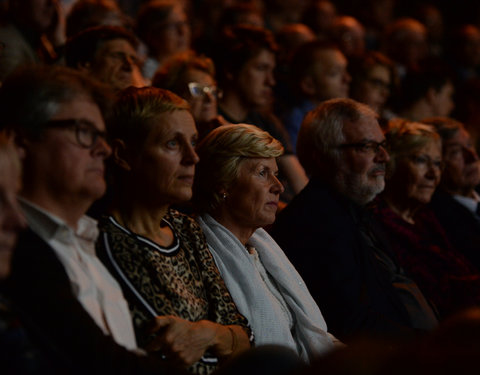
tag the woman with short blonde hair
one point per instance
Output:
(237, 191)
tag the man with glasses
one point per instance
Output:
(107, 54)
(67, 298)
(328, 236)
(456, 203)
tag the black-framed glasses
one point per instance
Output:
(86, 133)
(197, 90)
(366, 147)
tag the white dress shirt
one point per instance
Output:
(470, 203)
(92, 284)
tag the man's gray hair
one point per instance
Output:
(322, 131)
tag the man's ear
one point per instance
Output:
(308, 86)
(119, 154)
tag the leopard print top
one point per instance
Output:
(180, 280)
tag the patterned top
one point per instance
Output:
(443, 274)
(180, 280)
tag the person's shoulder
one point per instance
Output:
(183, 224)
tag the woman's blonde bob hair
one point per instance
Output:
(221, 152)
(405, 137)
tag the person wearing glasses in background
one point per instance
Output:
(444, 274)
(326, 233)
(192, 77)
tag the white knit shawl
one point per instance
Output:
(309, 337)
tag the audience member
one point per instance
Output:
(464, 53)
(432, 18)
(24, 34)
(319, 16)
(245, 70)
(455, 203)
(193, 78)
(425, 93)
(405, 43)
(467, 108)
(349, 35)
(443, 274)
(90, 13)
(237, 192)
(157, 254)
(107, 54)
(318, 72)
(163, 26)
(373, 80)
(327, 235)
(375, 16)
(278, 13)
(69, 299)
(18, 353)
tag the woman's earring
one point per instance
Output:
(224, 196)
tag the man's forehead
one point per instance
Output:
(118, 44)
(364, 129)
(82, 108)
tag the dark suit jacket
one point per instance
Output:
(319, 233)
(41, 289)
(460, 225)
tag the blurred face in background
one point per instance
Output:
(201, 94)
(116, 64)
(329, 75)
(374, 89)
(255, 80)
(462, 167)
(172, 36)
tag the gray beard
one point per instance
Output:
(354, 188)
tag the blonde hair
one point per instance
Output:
(136, 108)
(221, 152)
(404, 137)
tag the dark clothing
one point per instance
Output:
(460, 224)
(445, 276)
(266, 121)
(40, 286)
(328, 242)
(18, 354)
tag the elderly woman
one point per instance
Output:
(444, 275)
(192, 77)
(237, 192)
(158, 255)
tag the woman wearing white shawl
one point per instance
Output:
(237, 192)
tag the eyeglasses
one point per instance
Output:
(426, 162)
(86, 133)
(366, 147)
(197, 90)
